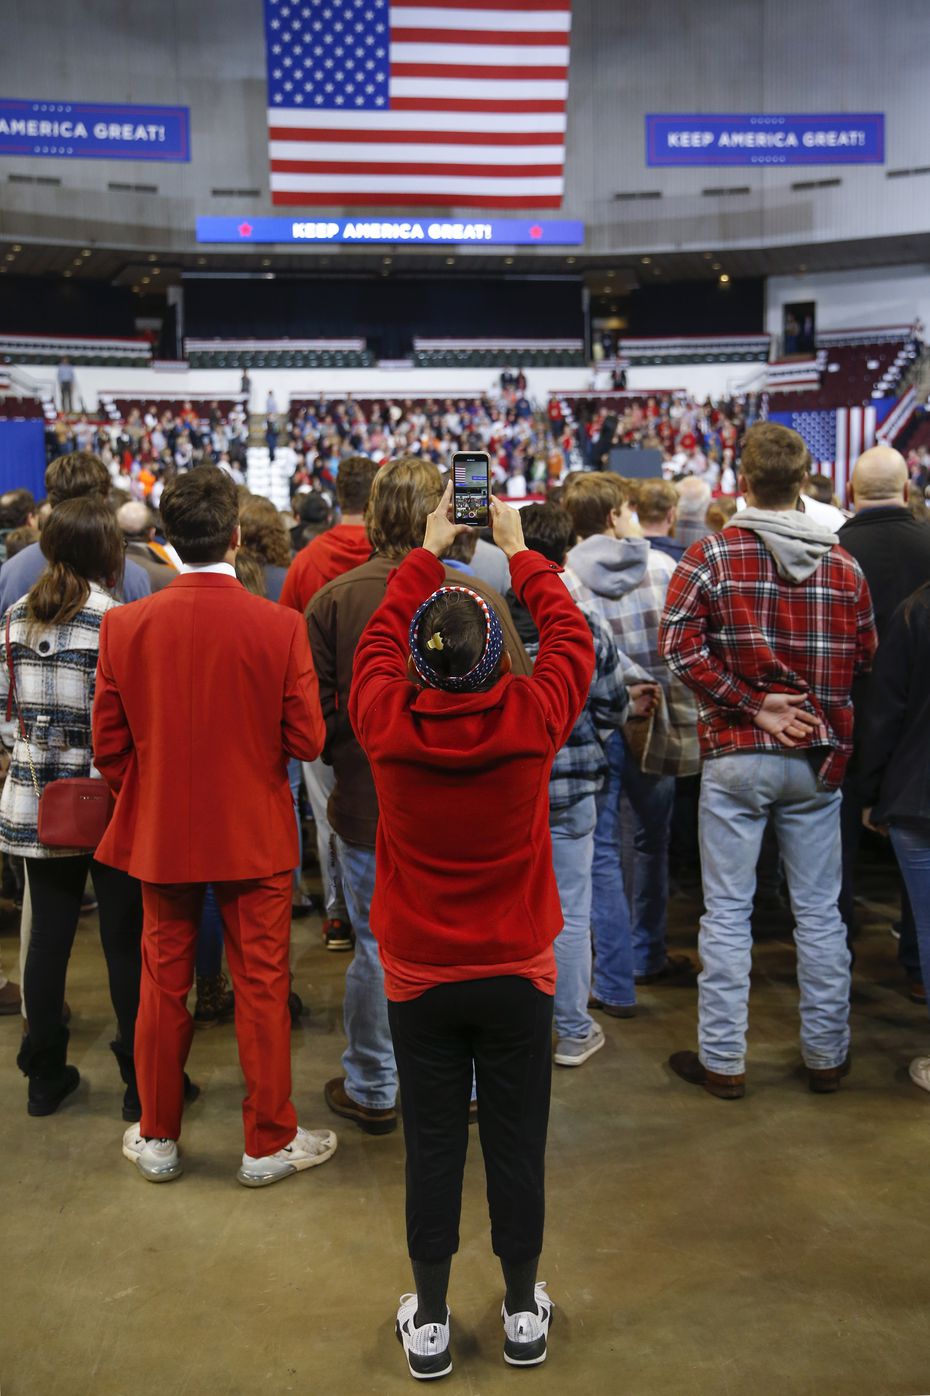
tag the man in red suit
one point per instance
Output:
(202, 695)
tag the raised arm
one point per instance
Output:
(381, 654)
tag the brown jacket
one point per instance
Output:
(336, 617)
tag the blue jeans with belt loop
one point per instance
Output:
(739, 794)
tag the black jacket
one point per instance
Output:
(893, 550)
(894, 772)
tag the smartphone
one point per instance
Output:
(471, 488)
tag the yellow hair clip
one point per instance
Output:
(435, 641)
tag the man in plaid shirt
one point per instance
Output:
(769, 622)
(615, 572)
(618, 689)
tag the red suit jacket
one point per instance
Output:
(203, 692)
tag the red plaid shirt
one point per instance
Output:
(733, 630)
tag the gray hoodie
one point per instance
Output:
(798, 545)
(610, 566)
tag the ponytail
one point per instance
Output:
(57, 596)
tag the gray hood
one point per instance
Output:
(797, 544)
(610, 566)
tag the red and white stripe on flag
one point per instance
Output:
(475, 118)
(855, 433)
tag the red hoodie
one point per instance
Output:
(336, 551)
(464, 856)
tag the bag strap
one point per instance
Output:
(13, 697)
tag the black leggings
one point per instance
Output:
(56, 886)
(504, 1027)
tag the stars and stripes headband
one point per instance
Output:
(493, 646)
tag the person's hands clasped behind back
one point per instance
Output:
(782, 716)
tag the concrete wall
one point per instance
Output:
(629, 57)
(848, 300)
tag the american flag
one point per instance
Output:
(440, 103)
(835, 439)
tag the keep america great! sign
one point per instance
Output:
(849, 138)
(96, 131)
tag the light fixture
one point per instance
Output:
(77, 262)
(606, 291)
(450, 261)
(153, 256)
(17, 247)
(10, 257)
(66, 273)
(156, 271)
(724, 279)
(508, 261)
(645, 261)
(707, 256)
(571, 261)
(387, 261)
(201, 261)
(146, 280)
(266, 261)
(611, 273)
(802, 267)
(657, 271)
(715, 266)
(85, 252)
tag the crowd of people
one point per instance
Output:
(715, 669)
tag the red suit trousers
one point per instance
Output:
(257, 928)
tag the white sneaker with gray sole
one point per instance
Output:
(526, 1336)
(919, 1072)
(427, 1348)
(156, 1159)
(308, 1149)
(573, 1051)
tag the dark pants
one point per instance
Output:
(56, 886)
(504, 1027)
(851, 829)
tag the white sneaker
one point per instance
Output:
(573, 1051)
(526, 1335)
(426, 1349)
(308, 1148)
(919, 1072)
(156, 1159)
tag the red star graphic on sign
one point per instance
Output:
(245, 230)
(536, 231)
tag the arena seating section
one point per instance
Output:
(856, 366)
(50, 349)
(278, 353)
(118, 407)
(498, 353)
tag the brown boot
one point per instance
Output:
(690, 1068)
(215, 1001)
(824, 1081)
(371, 1121)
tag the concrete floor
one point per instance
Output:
(775, 1245)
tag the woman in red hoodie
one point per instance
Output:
(465, 907)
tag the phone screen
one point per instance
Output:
(471, 488)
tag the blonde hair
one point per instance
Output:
(403, 493)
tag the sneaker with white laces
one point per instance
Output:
(919, 1072)
(526, 1335)
(426, 1349)
(156, 1159)
(573, 1051)
(307, 1149)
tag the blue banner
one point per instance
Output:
(848, 138)
(413, 229)
(94, 131)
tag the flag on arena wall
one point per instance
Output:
(834, 438)
(422, 102)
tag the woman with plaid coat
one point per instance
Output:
(50, 642)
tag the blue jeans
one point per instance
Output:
(210, 937)
(739, 794)
(911, 844)
(368, 1061)
(572, 832)
(652, 799)
(610, 912)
